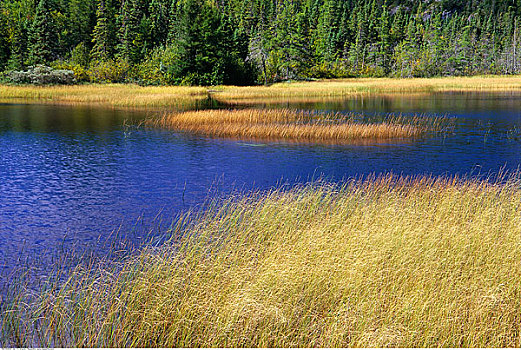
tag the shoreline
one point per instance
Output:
(164, 97)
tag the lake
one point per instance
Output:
(70, 176)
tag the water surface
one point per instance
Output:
(72, 175)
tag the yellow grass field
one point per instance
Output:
(348, 87)
(389, 261)
(287, 124)
(110, 95)
(133, 96)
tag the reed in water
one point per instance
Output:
(288, 124)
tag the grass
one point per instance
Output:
(341, 88)
(388, 261)
(302, 126)
(133, 96)
(110, 95)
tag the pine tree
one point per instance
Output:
(384, 39)
(80, 15)
(290, 51)
(205, 46)
(43, 34)
(159, 26)
(19, 43)
(132, 32)
(4, 42)
(172, 22)
(104, 34)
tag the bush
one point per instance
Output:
(41, 75)
(111, 71)
(151, 71)
(331, 70)
(80, 72)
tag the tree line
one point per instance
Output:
(209, 42)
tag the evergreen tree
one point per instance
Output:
(4, 42)
(205, 46)
(19, 45)
(80, 14)
(207, 41)
(104, 33)
(132, 32)
(159, 13)
(384, 39)
(43, 34)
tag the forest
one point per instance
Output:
(241, 42)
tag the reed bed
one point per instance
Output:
(363, 86)
(288, 124)
(111, 95)
(387, 261)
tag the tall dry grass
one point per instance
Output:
(311, 91)
(133, 96)
(389, 261)
(287, 124)
(111, 95)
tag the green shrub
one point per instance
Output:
(80, 72)
(111, 71)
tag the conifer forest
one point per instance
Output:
(211, 42)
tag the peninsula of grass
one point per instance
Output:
(341, 88)
(109, 95)
(293, 125)
(387, 261)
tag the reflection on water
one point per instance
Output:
(439, 103)
(71, 175)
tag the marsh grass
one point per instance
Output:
(288, 124)
(110, 95)
(342, 88)
(161, 97)
(386, 261)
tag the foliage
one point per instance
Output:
(264, 41)
(41, 75)
(109, 71)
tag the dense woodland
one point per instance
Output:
(212, 42)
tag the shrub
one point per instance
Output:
(41, 75)
(111, 71)
(80, 72)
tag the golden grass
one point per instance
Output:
(287, 124)
(311, 91)
(111, 95)
(423, 262)
(133, 96)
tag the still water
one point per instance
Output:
(70, 175)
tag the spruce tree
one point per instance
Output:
(80, 15)
(4, 42)
(104, 33)
(159, 26)
(19, 43)
(43, 34)
(384, 39)
(132, 34)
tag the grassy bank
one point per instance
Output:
(110, 95)
(383, 262)
(302, 126)
(121, 95)
(303, 91)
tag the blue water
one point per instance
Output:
(73, 175)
